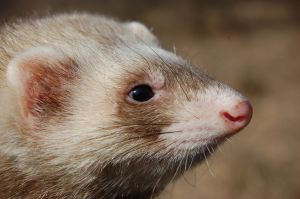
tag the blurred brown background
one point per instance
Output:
(254, 46)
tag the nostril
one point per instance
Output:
(234, 118)
(241, 112)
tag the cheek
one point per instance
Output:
(92, 105)
(143, 123)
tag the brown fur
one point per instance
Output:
(92, 143)
(46, 99)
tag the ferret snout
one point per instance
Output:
(239, 116)
(211, 116)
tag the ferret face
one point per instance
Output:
(85, 105)
(152, 105)
(159, 105)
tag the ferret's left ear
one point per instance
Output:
(40, 78)
(142, 32)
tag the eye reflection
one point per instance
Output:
(141, 93)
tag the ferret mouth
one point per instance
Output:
(220, 139)
(214, 139)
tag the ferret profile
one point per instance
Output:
(92, 108)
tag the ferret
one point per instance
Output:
(93, 108)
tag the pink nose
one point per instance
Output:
(239, 116)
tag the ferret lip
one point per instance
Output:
(225, 136)
(221, 136)
(213, 139)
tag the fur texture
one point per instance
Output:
(67, 128)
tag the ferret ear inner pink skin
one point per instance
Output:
(40, 78)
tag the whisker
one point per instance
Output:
(176, 172)
(138, 147)
(229, 140)
(153, 190)
(208, 149)
(213, 148)
(185, 169)
(192, 160)
(130, 138)
(207, 164)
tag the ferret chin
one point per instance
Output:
(94, 108)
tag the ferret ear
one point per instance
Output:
(141, 31)
(40, 78)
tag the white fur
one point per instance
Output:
(141, 31)
(199, 121)
(80, 143)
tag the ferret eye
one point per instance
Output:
(141, 93)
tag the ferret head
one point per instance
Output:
(119, 109)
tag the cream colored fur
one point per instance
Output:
(93, 149)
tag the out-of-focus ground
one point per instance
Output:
(254, 46)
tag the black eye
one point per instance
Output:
(141, 93)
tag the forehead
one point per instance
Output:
(161, 63)
(143, 58)
(150, 62)
(126, 62)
